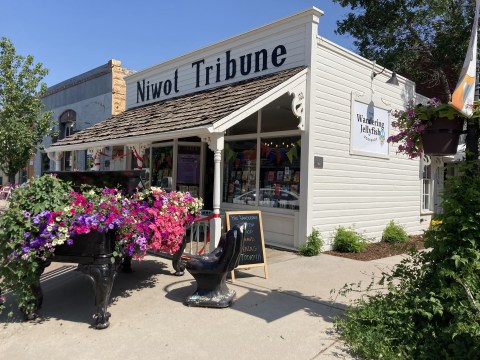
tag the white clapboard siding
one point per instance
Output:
(352, 190)
(292, 35)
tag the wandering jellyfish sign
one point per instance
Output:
(253, 250)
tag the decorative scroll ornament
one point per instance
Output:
(298, 103)
(425, 161)
(214, 141)
(55, 156)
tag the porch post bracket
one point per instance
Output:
(298, 103)
(425, 160)
(214, 141)
(55, 156)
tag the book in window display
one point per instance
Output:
(270, 176)
(238, 188)
(280, 175)
(193, 190)
(231, 187)
(245, 175)
(296, 177)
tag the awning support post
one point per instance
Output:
(138, 152)
(95, 153)
(215, 143)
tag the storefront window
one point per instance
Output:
(280, 172)
(162, 167)
(247, 126)
(68, 160)
(188, 169)
(45, 163)
(240, 172)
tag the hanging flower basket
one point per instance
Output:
(441, 137)
(432, 128)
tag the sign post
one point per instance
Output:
(253, 250)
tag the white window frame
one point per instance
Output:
(427, 190)
(258, 136)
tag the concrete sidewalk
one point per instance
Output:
(287, 316)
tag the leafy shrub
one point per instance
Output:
(394, 233)
(313, 245)
(432, 308)
(348, 240)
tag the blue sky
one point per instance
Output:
(71, 37)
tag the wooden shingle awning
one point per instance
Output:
(197, 114)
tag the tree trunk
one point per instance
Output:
(445, 88)
(11, 178)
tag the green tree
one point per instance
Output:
(426, 39)
(22, 122)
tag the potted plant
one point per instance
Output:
(433, 128)
(46, 218)
(28, 237)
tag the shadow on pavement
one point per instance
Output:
(69, 295)
(266, 304)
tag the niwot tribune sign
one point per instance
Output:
(369, 130)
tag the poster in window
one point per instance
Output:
(188, 166)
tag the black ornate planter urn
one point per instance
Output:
(441, 138)
(93, 252)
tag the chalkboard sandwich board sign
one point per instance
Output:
(253, 251)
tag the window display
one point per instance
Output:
(280, 172)
(279, 177)
(162, 167)
(188, 169)
(240, 172)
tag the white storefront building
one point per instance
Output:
(277, 119)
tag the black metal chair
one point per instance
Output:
(210, 271)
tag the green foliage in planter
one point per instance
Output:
(40, 193)
(348, 240)
(313, 246)
(432, 308)
(394, 233)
